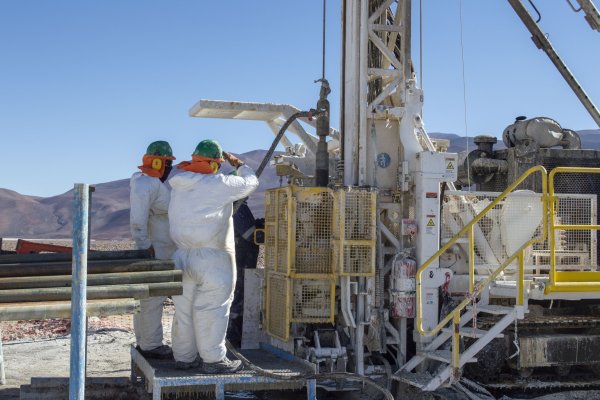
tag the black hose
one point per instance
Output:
(267, 157)
(303, 377)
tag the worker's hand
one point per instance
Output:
(232, 160)
(150, 251)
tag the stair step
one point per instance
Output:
(419, 379)
(441, 355)
(470, 332)
(492, 309)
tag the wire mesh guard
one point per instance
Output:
(277, 306)
(354, 232)
(354, 260)
(313, 215)
(270, 230)
(574, 248)
(298, 231)
(313, 300)
(516, 220)
(501, 232)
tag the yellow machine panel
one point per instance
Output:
(312, 236)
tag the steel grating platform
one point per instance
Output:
(161, 377)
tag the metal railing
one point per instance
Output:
(552, 199)
(476, 289)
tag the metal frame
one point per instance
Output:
(217, 382)
(475, 290)
(578, 281)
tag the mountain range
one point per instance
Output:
(51, 217)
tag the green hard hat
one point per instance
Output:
(160, 148)
(209, 149)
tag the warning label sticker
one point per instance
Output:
(450, 165)
(430, 223)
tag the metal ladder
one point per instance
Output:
(448, 373)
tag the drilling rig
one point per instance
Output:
(387, 256)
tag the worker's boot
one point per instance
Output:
(225, 366)
(163, 352)
(181, 365)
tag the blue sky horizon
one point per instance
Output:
(85, 86)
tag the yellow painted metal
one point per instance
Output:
(472, 259)
(354, 250)
(577, 227)
(257, 230)
(521, 280)
(277, 305)
(573, 287)
(482, 284)
(299, 304)
(577, 276)
(301, 245)
(577, 279)
(456, 344)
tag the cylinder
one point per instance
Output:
(403, 287)
(544, 131)
(58, 257)
(79, 298)
(322, 156)
(121, 278)
(94, 267)
(48, 310)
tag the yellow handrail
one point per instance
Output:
(551, 210)
(455, 314)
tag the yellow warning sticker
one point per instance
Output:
(430, 222)
(450, 165)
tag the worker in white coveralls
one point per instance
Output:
(200, 215)
(149, 223)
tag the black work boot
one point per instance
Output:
(225, 366)
(163, 352)
(181, 365)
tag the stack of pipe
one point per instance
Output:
(38, 286)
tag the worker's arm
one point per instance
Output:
(242, 185)
(140, 196)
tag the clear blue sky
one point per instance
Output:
(85, 86)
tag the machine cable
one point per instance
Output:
(573, 7)
(421, 44)
(516, 342)
(537, 11)
(323, 54)
(462, 57)
(302, 377)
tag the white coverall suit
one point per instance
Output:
(149, 224)
(200, 215)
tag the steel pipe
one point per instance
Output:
(92, 256)
(137, 291)
(48, 310)
(95, 267)
(120, 278)
(81, 203)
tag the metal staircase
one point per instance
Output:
(461, 321)
(449, 370)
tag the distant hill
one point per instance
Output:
(51, 217)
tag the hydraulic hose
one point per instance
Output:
(303, 377)
(300, 114)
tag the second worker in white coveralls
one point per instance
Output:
(149, 223)
(200, 215)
